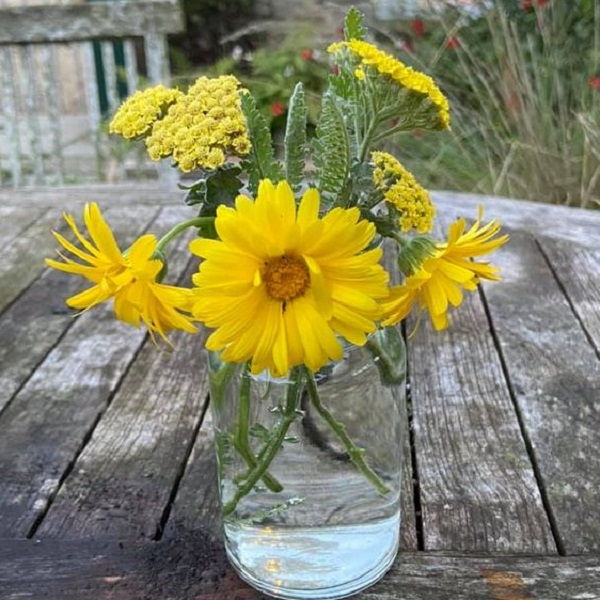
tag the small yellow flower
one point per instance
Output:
(129, 278)
(371, 56)
(202, 127)
(137, 114)
(400, 188)
(282, 282)
(441, 278)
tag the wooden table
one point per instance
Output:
(106, 466)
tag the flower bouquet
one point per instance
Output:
(306, 364)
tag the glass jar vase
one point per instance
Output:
(309, 469)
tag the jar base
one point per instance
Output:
(307, 563)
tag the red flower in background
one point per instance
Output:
(528, 4)
(418, 27)
(407, 45)
(452, 42)
(307, 54)
(594, 82)
(277, 108)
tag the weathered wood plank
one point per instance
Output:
(50, 419)
(73, 197)
(81, 22)
(21, 263)
(578, 271)
(195, 567)
(555, 377)
(30, 327)
(122, 482)
(15, 219)
(577, 224)
(477, 484)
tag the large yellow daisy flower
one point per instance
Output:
(129, 278)
(442, 276)
(282, 282)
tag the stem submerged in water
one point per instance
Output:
(240, 439)
(354, 452)
(289, 414)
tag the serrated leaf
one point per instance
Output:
(354, 28)
(219, 187)
(295, 138)
(332, 149)
(259, 431)
(260, 163)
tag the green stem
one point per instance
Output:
(355, 453)
(269, 451)
(197, 222)
(240, 439)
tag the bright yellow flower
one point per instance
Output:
(129, 278)
(281, 283)
(402, 190)
(441, 278)
(203, 126)
(371, 56)
(137, 114)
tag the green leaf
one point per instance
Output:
(260, 163)
(354, 28)
(332, 149)
(218, 187)
(295, 138)
(259, 431)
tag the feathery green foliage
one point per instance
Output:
(295, 138)
(354, 28)
(260, 163)
(332, 149)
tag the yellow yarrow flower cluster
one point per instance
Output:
(203, 126)
(137, 114)
(400, 188)
(371, 56)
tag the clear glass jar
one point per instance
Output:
(309, 470)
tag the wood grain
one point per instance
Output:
(478, 488)
(578, 271)
(15, 219)
(196, 568)
(122, 482)
(80, 22)
(555, 377)
(73, 197)
(522, 215)
(30, 327)
(21, 262)
(50, 419)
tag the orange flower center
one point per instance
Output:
(286, 277)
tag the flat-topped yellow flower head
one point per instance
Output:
(203, 126)
(129, 278)
(137, 114)
(371, 57)
(442, 277)
(282, 283)
(400, 188)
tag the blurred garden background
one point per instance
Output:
(523, 77)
